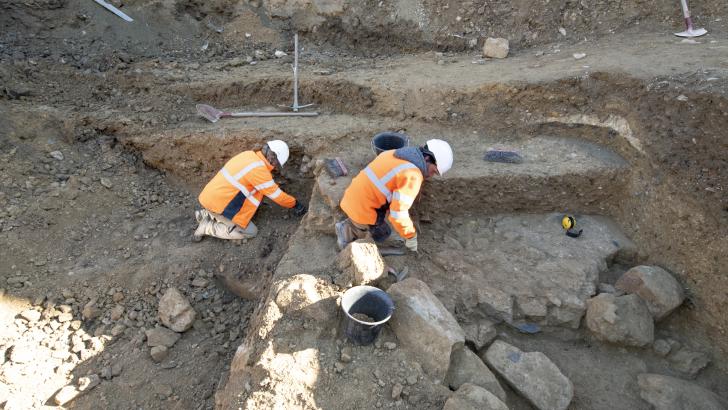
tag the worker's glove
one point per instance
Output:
(411, 243)
(299, 209)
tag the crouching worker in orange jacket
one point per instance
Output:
(390, 183)
(231, 198)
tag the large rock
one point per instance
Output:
(657, 287)
(471, 397)
(623, 320)
(466, 367)
(496, 47)
(360, 263)
(669, 393)
(532, 374)
(424, 326)
(175, 311)
(161, 336)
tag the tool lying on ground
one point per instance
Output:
(212, 114)
(336, 167)
(509, 157)
(391, 251)
(569, 224)
(689, 31)
(114, 10)
(398, 276)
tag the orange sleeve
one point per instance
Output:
(407, 186)
(262, 182)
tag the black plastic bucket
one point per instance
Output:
(387, 140)
(370, 301)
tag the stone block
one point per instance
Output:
(657, 287)
(424, 327)
(496, 47)
(466, 367)
(531, 374)
(622, 320)
(175, 311)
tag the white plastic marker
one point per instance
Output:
(114, 10)
(690, 31)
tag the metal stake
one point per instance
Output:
(295, 105)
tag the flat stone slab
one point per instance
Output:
(424, 326)
(466, 367)
(532, 374)
(520, 267)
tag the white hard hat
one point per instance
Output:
(443, 154)
(281, 150)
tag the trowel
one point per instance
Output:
(690, 31)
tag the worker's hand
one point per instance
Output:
(299, 209)
(411, 243)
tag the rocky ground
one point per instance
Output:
(86, 266)
(106, 302)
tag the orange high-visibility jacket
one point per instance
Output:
(236, 191)
(387, 179)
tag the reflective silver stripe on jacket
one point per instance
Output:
(403, 198)
(234, 182)
(381, 183)
(399, 215)
(248, 169)
(275, 194)
(264, 185)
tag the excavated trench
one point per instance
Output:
(608, 149)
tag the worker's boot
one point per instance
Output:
(203, 222)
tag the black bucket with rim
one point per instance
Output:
(370, 301)
(388, 140)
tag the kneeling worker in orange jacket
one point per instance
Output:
(390, 183)
(231, 198)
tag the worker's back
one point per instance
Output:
(364, 196)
